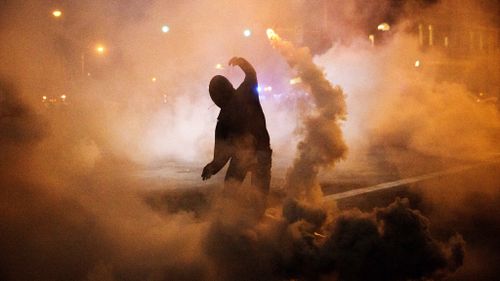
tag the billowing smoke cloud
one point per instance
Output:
(420, 119)
(18, 123)
(341, 23)
(323, 144)
(66, 221)
(392, 243)
(400, 112)
(70, 209)
(92, 225)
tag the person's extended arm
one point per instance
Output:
(222, 153)
(250, 74)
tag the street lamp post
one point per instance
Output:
(99, 49)
(82, 57)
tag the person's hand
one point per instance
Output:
(234, 61)
(208, 171)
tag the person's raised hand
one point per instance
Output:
(234, 61)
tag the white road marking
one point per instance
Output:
(391, 184)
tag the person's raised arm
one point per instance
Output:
(250, 74)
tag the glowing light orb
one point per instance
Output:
(247, 32)
(295, 80)
(384, 27)
(100, 49)
(153, 79)
(219, 66)
(271, 34)
(417, 63)
(57, 13)
(165, 29)
(371, 37)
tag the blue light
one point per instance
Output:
(259, 89)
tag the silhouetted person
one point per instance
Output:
(241, 136)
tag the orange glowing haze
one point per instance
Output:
(103, 104)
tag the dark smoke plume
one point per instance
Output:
(323, 144)
(18, 124)
(392, 243)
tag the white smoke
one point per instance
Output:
(322, 144)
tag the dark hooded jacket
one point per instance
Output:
(241, 128)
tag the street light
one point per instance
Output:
(100, 50)
(384, 27)
(372, 39)
(57, 13)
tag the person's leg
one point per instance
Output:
(261, 173)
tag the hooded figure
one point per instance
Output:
(241, 135)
